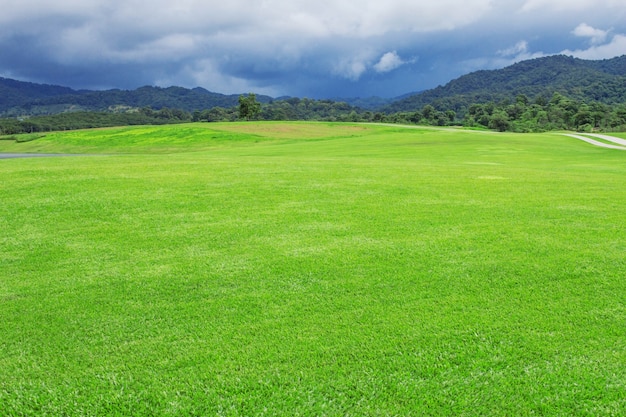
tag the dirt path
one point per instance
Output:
(613, 139)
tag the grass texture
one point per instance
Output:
(250, 269)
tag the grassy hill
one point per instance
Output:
(312, 269)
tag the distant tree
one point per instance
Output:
(415, 117)
(428, 113)
(451, 116)
(583, 117)
(499, 121)
(249, 107)
(522, 99)
(216, 114)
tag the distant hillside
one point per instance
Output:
(17, 93)
(23, 98)
(603, 81)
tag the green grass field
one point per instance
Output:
(312, 269)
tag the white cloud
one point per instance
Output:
(389, 62)
(351, 68)
(375, 17)
(20, 10)
(596, 36)
(519, 48)
(616, 47)
(508, 56)
(300, 17)
(569, 5)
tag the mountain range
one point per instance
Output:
(19, 98)
(585, 80)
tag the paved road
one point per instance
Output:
(609, 138)
(601, 144)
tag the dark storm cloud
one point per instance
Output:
(294, 47)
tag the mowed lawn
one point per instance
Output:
(314, 269)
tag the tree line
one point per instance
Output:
(89, 120)
(524, 115)
(558, 112)
(521, 115)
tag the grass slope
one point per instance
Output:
(312, 269)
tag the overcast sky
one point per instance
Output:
(312, 48)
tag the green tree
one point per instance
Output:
(216, 114)
(249, 107)
(522, 100)
(450, 116)
(499, 121)
(428, 113)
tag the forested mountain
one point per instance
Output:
(602, 81)
(18, 93)
(23, 98)
(19, 98)
(556, 92)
